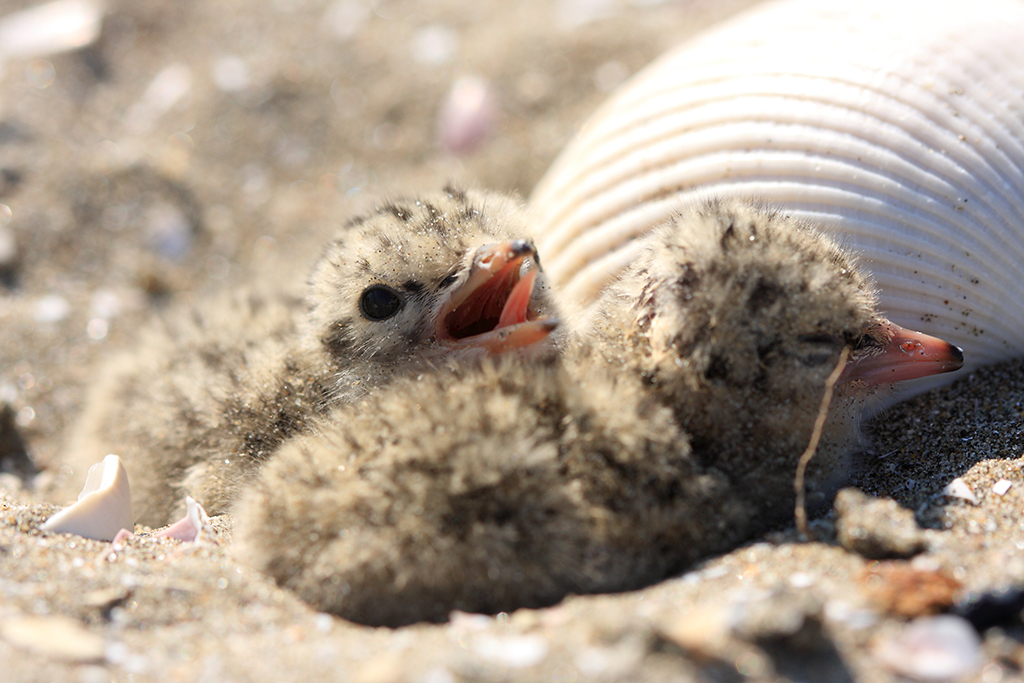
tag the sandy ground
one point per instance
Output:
(193, 146)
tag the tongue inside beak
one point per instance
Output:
(517, 306)
(906, 355)
(491, 310)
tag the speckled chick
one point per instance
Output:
(490, 487)
(209, 393)
(736, 316)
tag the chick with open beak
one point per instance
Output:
(211, 394)
(433, 279)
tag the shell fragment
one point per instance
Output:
(104, 506)
(189, 528)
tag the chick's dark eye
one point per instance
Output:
(379, 303)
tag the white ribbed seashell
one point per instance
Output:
(896, 124)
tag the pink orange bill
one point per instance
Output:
(906, 355)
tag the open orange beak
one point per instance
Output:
(491, 310)
(907, 355)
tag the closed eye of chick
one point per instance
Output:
(210, 393)
(736, 316)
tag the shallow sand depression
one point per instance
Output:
(191, 147)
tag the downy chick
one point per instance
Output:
(512, 484)
(736, 316)
(492, 486)
(209, 394)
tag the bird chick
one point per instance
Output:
(737, 316)
(487, 487)
(210, 393)
(438, 277)
(670, 432)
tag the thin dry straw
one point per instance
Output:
(812, 446)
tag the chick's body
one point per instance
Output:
(485, 488)
(210, 393)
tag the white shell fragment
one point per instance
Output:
(1001, 487)
(468, 115)
(104, 506)
(896, 124)
(958, 488)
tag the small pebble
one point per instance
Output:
(875, 528)
(938, 648)
(958, 488)
(1001, 487)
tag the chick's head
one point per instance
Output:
(448, 273)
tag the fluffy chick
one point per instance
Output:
(485, 488)
(210, 393)
(736, 316)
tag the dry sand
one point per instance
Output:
(195, 145)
